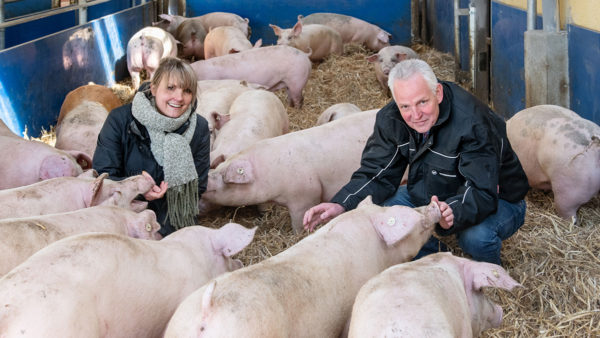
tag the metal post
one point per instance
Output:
(531, 14)
(2, 30)
(82, 12)
(550, 16)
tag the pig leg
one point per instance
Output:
(297, 214)
(569, 194)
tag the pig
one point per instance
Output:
(28, 161)
(25, 236)
(214, 103)
(320, 39)
(191, 34)
(145, 49)
(351, 29)
(386, 59)
(559, 151)
(64, 194)
(226, 40)
(297, 170)
(109, 285)
(307, 290)
(438, 295)
(337, 111)
(168, 22)
(274, 67)
(205, 85)
(216, 19)
(254, 115)
(81, 117)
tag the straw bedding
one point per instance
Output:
(557, 263)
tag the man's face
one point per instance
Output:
(418, 105)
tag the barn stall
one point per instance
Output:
(556, 262)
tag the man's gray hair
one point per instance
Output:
(407, 68)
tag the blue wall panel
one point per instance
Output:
(391, 15)
(508, 70)
(584, 71)
(36, 76)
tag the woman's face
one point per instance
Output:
(171, 99)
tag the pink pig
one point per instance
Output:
(145, 49)
(81, 117)
(439, 294)
(170, 23)
(217, 19)
(337, 111)
(386, 59)
(254, 115)
(64, 194)
(297, 170)
(25, 236)
(320, 39)
(274, 67)
(559, 151)
(33, 161)
(226, 40)
(351, 29)
(307, 290)
(108, 285)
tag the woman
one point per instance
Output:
(160, 133)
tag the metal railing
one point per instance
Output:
(82, 6)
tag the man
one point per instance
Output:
(459, 157)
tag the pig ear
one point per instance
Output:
(384, 36)
(258, 43)
(239, 172)
(300, 17)
(90, 173)
(276, 29)
(233, 51)
(392, 229)
(373, 58)
(231, 239)
(220, 119)
(480, 274)
(297, 30)
(367, 201)
(84, 160)
(220, 159)
(166, 17)
(207, 299)
(95, 187)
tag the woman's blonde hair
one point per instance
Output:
(180, 71)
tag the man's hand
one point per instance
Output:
(321, 213)
(156, 191)
(447, 219)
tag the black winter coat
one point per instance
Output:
(466, 161)
(123, 150)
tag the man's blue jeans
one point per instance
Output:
(482, 241)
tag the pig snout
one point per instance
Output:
(432, 213)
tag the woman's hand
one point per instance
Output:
(156, 191)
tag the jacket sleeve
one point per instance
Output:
(477, 198)
(201, 152)
(381, 168)
(108, 157)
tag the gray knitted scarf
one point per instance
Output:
(172, 151)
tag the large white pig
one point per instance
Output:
(191, 35)
(81, 117)
(216, 19)
(307, 290)
(145, 49)
(107, 285)
(254, 115)
(320, 39)
(226, 40)
(26, 161)
(274, 67)
(386, 59)
(297, 170)
(64, 194)
(22, 237)
(351, 29)
(559, 151)
(337, 111)
(438, 295)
